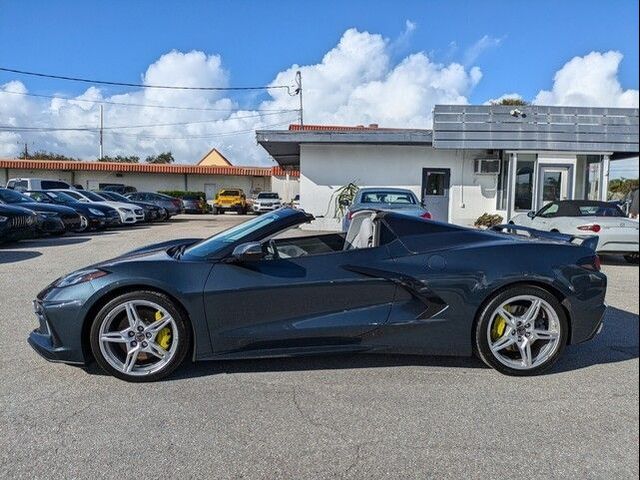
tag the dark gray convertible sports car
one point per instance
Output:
(391, 284)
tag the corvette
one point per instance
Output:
(391, 284)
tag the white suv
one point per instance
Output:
(265, 202)
(24, 184)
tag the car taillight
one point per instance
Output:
(426, 215)
(593, 227)
(350, 215)
(590, 263)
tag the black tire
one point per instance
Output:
(632, 258)
(184, 334)
(481, 342)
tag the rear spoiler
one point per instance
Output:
(590, 241)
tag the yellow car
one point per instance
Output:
(230, 200)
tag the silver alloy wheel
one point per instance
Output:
(133, 350)
(531, 332)
(84, 223)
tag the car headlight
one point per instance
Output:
(3, 219)
(80, 276)
(95, 212)
(124, 210)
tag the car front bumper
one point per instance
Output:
(264, 208)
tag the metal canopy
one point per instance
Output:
(532, 127)
(284, 145)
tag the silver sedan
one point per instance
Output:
(400, 200)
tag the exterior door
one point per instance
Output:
(316, 301)
(210, 190)
(435, 192)
(554, 184)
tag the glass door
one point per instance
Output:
(554, 184)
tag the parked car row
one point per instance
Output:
(32, 213)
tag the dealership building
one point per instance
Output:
(211, 174)
(475, 160)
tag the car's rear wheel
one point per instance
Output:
(140, 337)
(521, 331)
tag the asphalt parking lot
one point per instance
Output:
(337, 417)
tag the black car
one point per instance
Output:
(194, 204)
(92, 216)
(172, 205)
(118, 188)
(152, 212)
(16, 223)
(52, 219)
(391, 284)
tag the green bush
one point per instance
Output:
(488, 220)
(182, 194)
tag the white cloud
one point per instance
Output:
(356, 82)
(472, 53)
(591, 81)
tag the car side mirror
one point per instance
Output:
(249, 252)
(531, 214)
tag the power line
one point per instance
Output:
(120, 127)
(140, 105)
(97, 129)
(139, 85)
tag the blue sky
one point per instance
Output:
(118, 39)
(517, 45)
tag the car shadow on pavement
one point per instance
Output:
(10, 256)
(50, 242)
(617, 342)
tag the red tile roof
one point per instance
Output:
(342, 128)
(142, 168)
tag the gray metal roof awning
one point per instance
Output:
(284, 145)
(533, 127)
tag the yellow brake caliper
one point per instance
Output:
(164, 336)
(498, 328)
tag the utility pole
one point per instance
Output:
(26, 151)
(101, 126)
(299, 92)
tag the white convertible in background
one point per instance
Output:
(617, 233)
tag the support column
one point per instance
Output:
(604, 177)
(513, 160)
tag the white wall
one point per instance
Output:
(325, 168)
(286, 189)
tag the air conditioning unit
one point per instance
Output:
(487, 166)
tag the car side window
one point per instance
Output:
(11, 184)
(549, 211)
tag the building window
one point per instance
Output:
(592, 178)
(525, 171)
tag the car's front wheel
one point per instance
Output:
(521, 331)
(140, 337)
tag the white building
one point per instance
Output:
(477, 159)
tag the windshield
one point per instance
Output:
(115, 196)
(61, 197)
(268, 195)
(93, 196)
(229, 193)
(235, 234)
(11, 196)
(397, 198)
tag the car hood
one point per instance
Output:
(14, 210)
(45, 207)
(163, 246)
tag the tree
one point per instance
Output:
(164, 157)
(511, 102)
(44, 155)
(120, 159)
